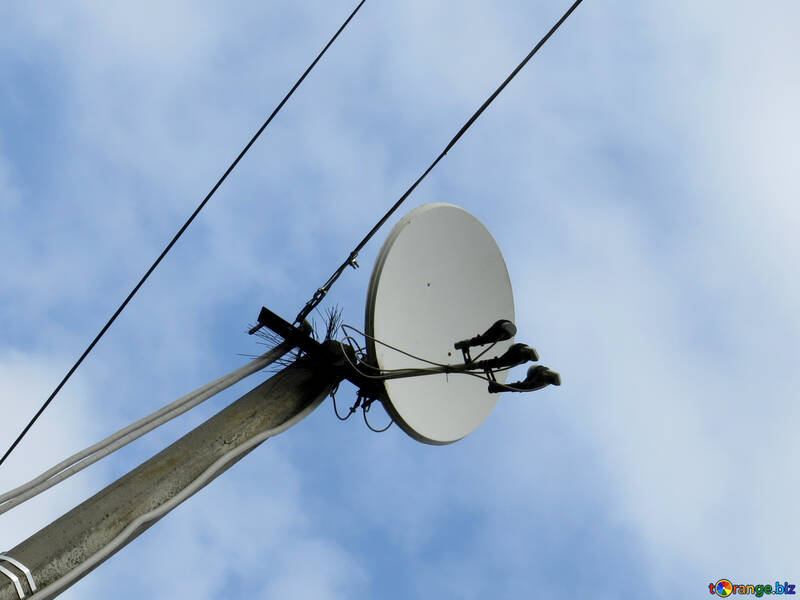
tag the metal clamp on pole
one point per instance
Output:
(323, 352)
(14, 579)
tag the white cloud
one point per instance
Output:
(25, 382)
(639, 177)
(10, 196)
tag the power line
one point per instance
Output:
(179, 234)
(351, 259)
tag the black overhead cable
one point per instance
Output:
(180, 232)
(351, 259)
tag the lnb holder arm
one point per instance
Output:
(329, 354)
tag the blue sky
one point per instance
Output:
(640, 176)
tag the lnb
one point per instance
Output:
(538, 377)
(500, 331)
(517, 354)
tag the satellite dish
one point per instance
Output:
(438, 278)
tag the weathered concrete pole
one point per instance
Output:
(79, 541)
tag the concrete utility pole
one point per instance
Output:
(73, 545)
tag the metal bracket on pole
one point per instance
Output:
(321, 352)
(14, 579)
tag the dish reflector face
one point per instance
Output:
(439, 278)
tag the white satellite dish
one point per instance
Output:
(438, 278)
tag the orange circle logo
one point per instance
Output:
(724, 588)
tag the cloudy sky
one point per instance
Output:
(640, 176)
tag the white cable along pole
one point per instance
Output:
(76, 543)
(79, 461)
